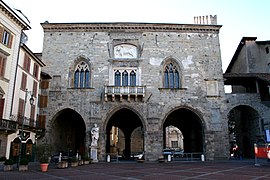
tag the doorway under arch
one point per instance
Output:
(243, 124)
(69, 133)
(189, 125)
(125, 134)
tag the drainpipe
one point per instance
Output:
(16, 73)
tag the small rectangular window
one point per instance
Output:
(6, 38)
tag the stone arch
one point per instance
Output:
(191, 124)
(194, 110)
(244, 129)
(68, 132)
(115, 109)
(129, 126)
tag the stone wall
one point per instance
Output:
(194, 48)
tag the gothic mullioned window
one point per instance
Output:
(82, 75)
(125, 78)
(117, 78)
(132, 78)
(171, 76)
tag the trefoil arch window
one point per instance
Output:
(125, 77)
(132, 78)
(82, 75)
(117, 78)
(171, 76)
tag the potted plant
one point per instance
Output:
(161, 159)
(8, 165)
(74, 161)
(23, 164)
(140, 159)
(44, 153)
(2, 159)
(86, 159)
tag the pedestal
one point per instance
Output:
(93, 154)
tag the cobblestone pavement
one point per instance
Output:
(231, 169)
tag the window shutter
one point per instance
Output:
(25, 61)
(1, 33)
(2, 66)
(24, 81)
(33, 109)
(35, 88)
(10, 41)
(2, 102)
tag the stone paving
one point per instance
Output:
(231, 169)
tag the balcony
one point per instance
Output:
(124, 93)
(28, 123)
(8, 126)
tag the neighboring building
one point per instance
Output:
(19, 81)
(134, 80)
(11, 34)
(23, 112)
(248, 104)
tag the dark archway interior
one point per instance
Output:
(69, 133)
(127, 121)
(190, 126)
(243, 126)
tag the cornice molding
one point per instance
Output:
(128, 27)
(13, 16)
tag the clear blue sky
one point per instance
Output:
(238, 17)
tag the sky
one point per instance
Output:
(239, 18)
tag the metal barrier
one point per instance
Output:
(197, 156)
(112, 157)
(262, 151)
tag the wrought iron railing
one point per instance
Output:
(28, 123)
(8, 124)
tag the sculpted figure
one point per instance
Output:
(95, 135)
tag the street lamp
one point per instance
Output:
(31, 100)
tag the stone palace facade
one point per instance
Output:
(133, 80)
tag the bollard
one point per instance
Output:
(169, 158)
(202, 157)
(108, 158)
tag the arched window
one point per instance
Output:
(117, 78)
(125, 78)
(132, 78)
(171, 76)
(82, 76)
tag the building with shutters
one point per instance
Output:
(19, 81)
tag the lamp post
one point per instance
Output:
(31, 100)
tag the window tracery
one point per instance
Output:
(125, 77)
(171, 76)
(82, 75)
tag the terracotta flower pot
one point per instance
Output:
(44, 167)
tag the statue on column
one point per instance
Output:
(95, 135)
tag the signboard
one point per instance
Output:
(267, 135)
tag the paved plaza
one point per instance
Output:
(231, 169)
